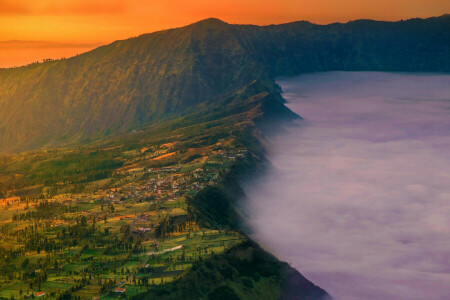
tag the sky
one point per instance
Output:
(64, 28)
(364, 207)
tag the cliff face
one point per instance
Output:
(132, 83)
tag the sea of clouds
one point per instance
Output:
(358, 199)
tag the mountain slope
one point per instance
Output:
(132, 83)
(115, 87)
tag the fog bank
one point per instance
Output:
(359, 196)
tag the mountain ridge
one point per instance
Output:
(131, 83)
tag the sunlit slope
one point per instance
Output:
(119, 86)
(135, 82)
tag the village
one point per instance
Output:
(117, 237)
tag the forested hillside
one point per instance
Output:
(149, 214)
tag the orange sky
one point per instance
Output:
(31, 30)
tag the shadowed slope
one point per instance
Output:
(243, 272)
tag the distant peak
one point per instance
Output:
(210, 22)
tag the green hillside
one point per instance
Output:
(132, 83)
(148, 214)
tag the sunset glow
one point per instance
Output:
(80, 25)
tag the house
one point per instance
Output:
(119, 290)
(144, 229)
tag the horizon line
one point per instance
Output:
(48, 44)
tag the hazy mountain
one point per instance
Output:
(135, 82)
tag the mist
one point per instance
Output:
(358, 198)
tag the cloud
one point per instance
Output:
(62, 7)
(361, 187)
